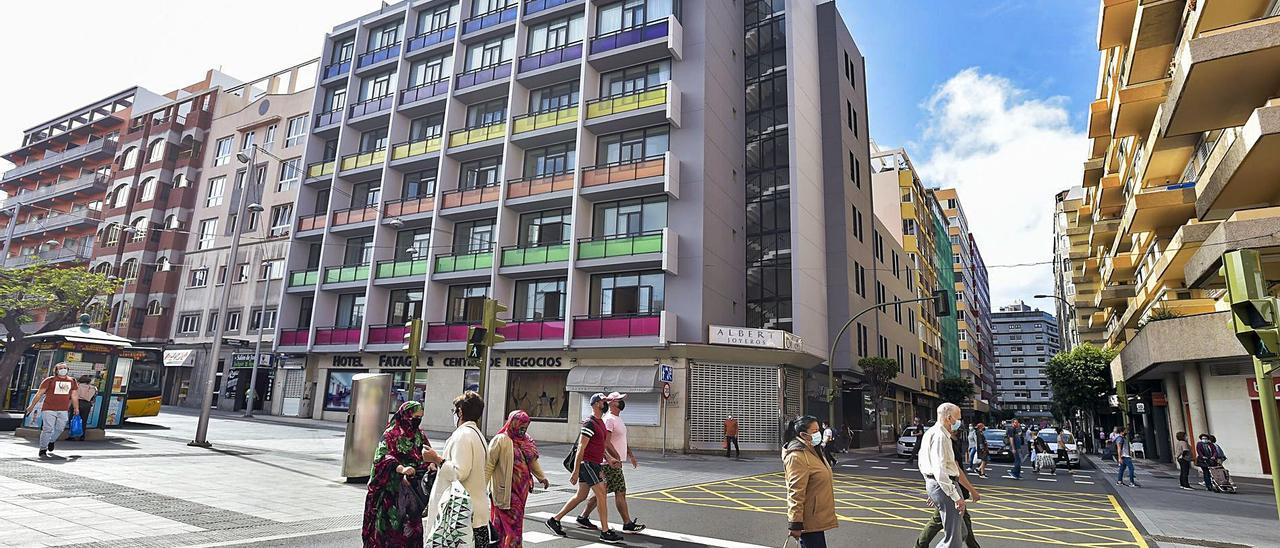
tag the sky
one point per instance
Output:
(987, 96)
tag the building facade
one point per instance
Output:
(566, 159)
(973, 301)
(1180, 172)
(272, 114)
(1065, 231)
(1025, 340)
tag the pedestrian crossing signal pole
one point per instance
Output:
(413, 347)
(490, 324)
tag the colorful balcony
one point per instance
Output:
(98, 148)
(387, 334)
(334, 70)
(638, 44)
(363, 159)
(372, 106)
(544, 128)
(472, 82)
(530, 193)
(550, 65)
(415, 149)
(346, 274)
(303, 278)
(622, 326)
(422, 92)
(491, 20)
(320, 169)
(312, 222)
(426, 40)
(470, 262)
(534, 330)
(447, 332)
(632, 178)
(326, 119)
(337, 336)
(534, 259)
(355, 215)
(655, 249)
(409, 206)
(379, 55)
(400, 269)
(293, 337)
(476, 135)
(452, 199)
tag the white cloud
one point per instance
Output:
(1007, 153)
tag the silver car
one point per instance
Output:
(1073, 454)
(908, 440)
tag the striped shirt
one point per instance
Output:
(595, 431)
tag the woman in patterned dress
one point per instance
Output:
(398, 460)
(512, 466)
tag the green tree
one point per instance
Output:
(878, 374)
(62, 293)
(956, 390)
(1081, 380)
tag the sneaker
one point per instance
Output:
(43, 454)
(1121, 483)
(633, 526)
(50, 447)
(1185, 488)
(983, 476)
(611, 537)
(554, 525)
(1134, 484)
(585, 522)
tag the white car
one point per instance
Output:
(907, 441)
(1073, 454)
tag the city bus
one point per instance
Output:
(144, 381)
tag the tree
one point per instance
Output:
(878, 374)
(1081, 380)
(62, 293)
(956, 390)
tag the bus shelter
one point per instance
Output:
(105, 358)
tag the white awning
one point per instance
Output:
(177, 358)
(625, 379)
(122, 343)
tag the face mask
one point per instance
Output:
(62, 372)
(956, 426)
(523, 431)
(416, 421)
(816, 438)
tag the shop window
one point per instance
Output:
(337, 390)
(542, 394)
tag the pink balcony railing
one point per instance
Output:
(439, 332)
(294, 337)
(533, 330)
(387, 333)
(617, 326)
(337, 335)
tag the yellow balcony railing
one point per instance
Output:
(363, 159)
(606, 106)
(542, 120)
(320, 169)
(480, 134)
(416, 148)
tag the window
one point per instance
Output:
(281, 219)
(554, 97)
(439, 18)
(350, 310)
(377, 86)
(629, 217)
(120, 195)
(481, 7)
(148, 190)
(466, 303)
(233, 321)
(545, 228)
(555, 34)
(488, 112)
(631, 13)
(432, 69)
(129, 159)
(269, 136)
(372, 140)
(629, 293)
(335, 99)
(290, 175)
(199, 278)
(632, 145)
(208, 232)
(154, 308)
(419, 184)
(386, 35)
(213, 197)
(413, 244)
(242, 273)
(260, 319)
(856, 217)
(155, 151)
(860, 280)
(635, 79)
(222, 151)
(295, 131)
(551, 160)
(473, 237)
(189, 324)
(271, 269)
(426, 127)
(480, 173)
(490, 53)
(139, 226)
(855, 170)
(539, 300)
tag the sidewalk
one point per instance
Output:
(1175, 517)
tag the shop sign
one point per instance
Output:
(244, 360)
(393, 361)
(1252, 384)
(1158, 399)
(758, 338)
(509, 362)
(347, 361)
(66, 345)
(293, 363)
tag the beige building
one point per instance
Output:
(973, 302)
(271, 114)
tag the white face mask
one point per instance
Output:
(816, 438)
(62, 372)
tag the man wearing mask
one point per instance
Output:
(941, 472)
(594, 451)
(59, 393)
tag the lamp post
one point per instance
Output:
(251, 161)
(1070, 310)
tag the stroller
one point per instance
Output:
(1221, 479)
(1044, 462)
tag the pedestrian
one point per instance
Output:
(731, 437)
(85, 392)
(397, 462)
(463, 460)
(828, 443)
(917, 430)
(512, 467)
(972, 455)
(1062, 445)
(1032, 433)
(593, 451)
(1013, 439)
(849, 435)
(1206, 457)
(811, 497)
(59, 392)
(1041, 457)
(1124, 456)
(941, 474)
(614, 480)
(1182, 450)
(984, 451)
(934, 526)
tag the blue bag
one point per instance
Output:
(77, 427)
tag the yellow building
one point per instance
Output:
(972, 303)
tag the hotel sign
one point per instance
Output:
(758, 338)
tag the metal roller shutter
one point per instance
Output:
(748, 393)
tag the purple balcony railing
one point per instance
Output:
(378, 55)
(616, 326)
(328, 118)
(431, 38)
(294, 337)
(486, 20)
(439, 332)
(371, 106)
(546, 58)
(337, 335)
(535, 6)
(387, 333)
(483, 74)
(533, 330)
(337, 69)
(630, 36)
(424, 91)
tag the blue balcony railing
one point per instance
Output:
(483, 74)
(425, 91)
(630, 36)
(535, 6)
(491, 19)
(371, 106)
(546, 58)
(431, 38)
(329, 118)
(337, 69)
(378, 55)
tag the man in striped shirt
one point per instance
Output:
(593, 452)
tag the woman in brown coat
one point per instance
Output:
(811, 498)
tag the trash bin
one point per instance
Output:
(366, 420)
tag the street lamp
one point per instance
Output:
(256, 207)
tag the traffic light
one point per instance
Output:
(1253, 312)
(941, 303)
(476, 336)
(412, 337)
(491, 322)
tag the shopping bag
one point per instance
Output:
(76, 428)
(452, 526)
(789, 542)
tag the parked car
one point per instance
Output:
(996, 447)
(907, 441)
(1073, 454)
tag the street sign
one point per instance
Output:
(1139, 407)
(666, 390)
(668, 374)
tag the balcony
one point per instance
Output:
(334, 70)
(1136, 107)
(308, 223)
(100, 148)
(377, 56)
(550, 66)
(320, 169)
(471, 202)
(533, 260)
(538, 9)
(539, 129)
(387, 334)
(534, 330)
(447, 332)
(82, 218)
(1245, 176)
(409, 207)
(52, 256)
(632, 178)
(477, 140)
(489, 22)
(1222, 76)
(303, 278)
(364, 114)
(530, 193)
(1161, 207)
(298, 338)
(422, 94)
(414, 152)
(643, 329)
(337, 336)
(326, 119)
(89, 182)
(345, 219)
(639, 44)
(1116, 23)
(1099, 118)
(361, 160)
(346, 274)
(482, 83)
(403, 268)
(655, 249)
(636, 109)
(470, 265)
(427, 40)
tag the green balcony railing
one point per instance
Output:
(348, 273)
(300, 278)
(542, 120)
(320, 169)
(410, 149)
(364, 159)
(462, 263)
(626, 102)
(620, 246)
(396, 269)
(522, 256)
(477, 134)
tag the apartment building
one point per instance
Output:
(567, 159)
(1180, 172)
(266, 121)
(973, 301)
(1065, 230)
(1025, 339)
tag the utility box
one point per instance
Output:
(366, 420)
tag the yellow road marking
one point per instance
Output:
(1137, 537)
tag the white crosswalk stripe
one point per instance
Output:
(1045, 479)
(879, 467)
(534, 537)
(668, 535)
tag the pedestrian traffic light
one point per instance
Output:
(491, 322)
(1253, 312)
(941, 303)
(412, 337)
(476, 342)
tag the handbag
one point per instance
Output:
(76, 427)
(571, 459)
(452, 528)
(409, 501)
